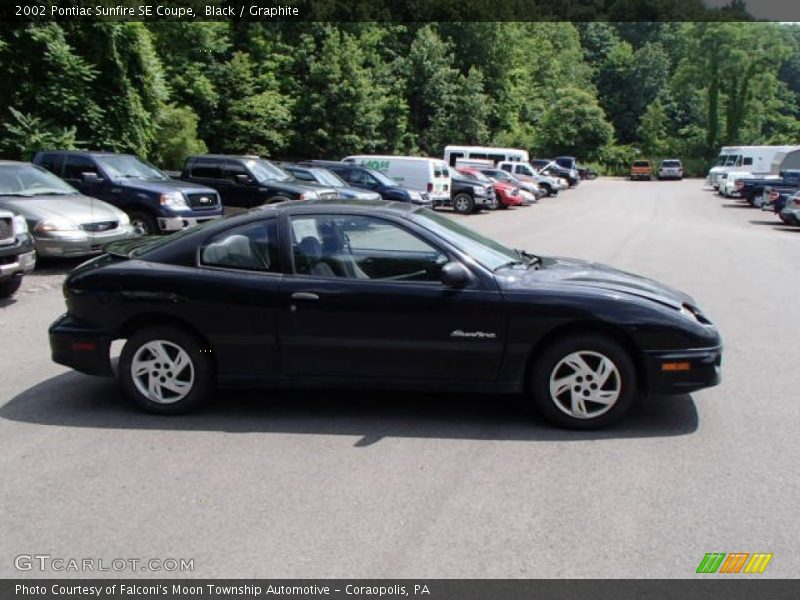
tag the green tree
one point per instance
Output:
(176, 137)
(576, 125)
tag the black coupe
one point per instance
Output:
(372, 293)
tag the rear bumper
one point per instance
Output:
(80, 347)
(681, 372)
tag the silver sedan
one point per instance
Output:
(63, 221)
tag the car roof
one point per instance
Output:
(228, 156)
(86, 153)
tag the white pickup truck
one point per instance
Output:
(524, 171)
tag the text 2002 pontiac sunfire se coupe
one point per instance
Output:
(383, 294)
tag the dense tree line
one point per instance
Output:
(605, 92)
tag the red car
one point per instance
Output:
(506, 194)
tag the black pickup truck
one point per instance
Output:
(155, 203)
(752, 190)
(249, 181)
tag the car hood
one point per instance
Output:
(578, 273)
(165, 186)
(76, 208)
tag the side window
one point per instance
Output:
(251, 247)
(497, 157)
(358, 177)
(206, 169)
(51, 162)
(361, 247)
(454, 157)
(748, 160)
(232, 169)
(506, 168)
(76, 166)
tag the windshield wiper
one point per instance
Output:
(510, 263)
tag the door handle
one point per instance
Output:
(305, 296)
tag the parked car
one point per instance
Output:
(752, 189)
(17, 255)
(550, 167)
(63, 221)
(526, 172)
(790, 213)
(531, 187)
(369, 179)
(154, 202)
(505, 194)
(383, 295)
(330, 179)
(641, 169)
(249, 181)
(670, 168)
(430, 175)
(732, 183)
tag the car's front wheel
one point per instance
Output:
(164, 370)
(584, 382)
(10, 286)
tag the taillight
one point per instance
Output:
(430, 187)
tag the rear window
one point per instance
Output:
(641, 163)
(671, 163)
(440, 171)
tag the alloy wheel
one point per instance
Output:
(162, 371)
(585, 384)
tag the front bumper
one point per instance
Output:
(78, 243)
(682, 371)
(169, 224)
(17, 258)
(80, 347)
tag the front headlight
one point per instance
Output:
(20, 224)
(174, 200)
(55, 226)
(309, 196)
(415, 195)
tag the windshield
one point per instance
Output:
(327, 178)
(29, 180)
(477, 176)
(485, 251)
(263, 170)
(382, 179)
(129, 167)
(731, 160)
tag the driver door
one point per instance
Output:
(364, 301)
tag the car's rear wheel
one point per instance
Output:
(584, 382)
(143, 223)
(463, 204)
(165, 370)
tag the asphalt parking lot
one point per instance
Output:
(322, 484)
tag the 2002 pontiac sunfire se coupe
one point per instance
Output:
(375, 293)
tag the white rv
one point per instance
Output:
(758, 160)
(496, 155)
(429, 175)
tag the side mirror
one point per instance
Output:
(90, 177)
(243, 179)
(455, 275)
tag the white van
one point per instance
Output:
(758, 160)
(429, 175)
(453, 153)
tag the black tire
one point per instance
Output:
(463, 203)
(549, 363)
(548, 190)
(9, 287)
(201, 366)
(144, 223)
